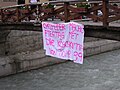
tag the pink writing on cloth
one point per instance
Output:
(64, 40)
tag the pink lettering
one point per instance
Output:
(72, 27)
(65, 53)
(49, 41)
(78, 46)
(61, 44)
(73, 35)
(80, 29)
(70, 45)
(54, 34)
(68, 53)
(77, 55)
(55, 27)
(75, 28)
(52, 52)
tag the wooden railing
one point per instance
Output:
(63, 10)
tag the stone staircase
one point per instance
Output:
(23, 51)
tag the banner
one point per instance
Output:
(64, 40)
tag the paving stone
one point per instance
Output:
(99, 72)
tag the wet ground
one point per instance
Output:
(99, 72)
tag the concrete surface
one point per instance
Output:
(99, 72)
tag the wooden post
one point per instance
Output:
(95, 12)
(37, 13)
(17, 14)
(66, 11)
(40, 12)
(2, 15)
(105, 13)
(28, 8)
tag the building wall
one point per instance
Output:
(14, 2)
(7, 2)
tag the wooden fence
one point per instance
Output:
(63, 10)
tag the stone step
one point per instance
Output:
(89, 39)
(31, 43)
(28, 60)
(100, 46)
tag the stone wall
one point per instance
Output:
(23, 41)
(3, 38)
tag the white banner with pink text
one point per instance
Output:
(64, 40)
